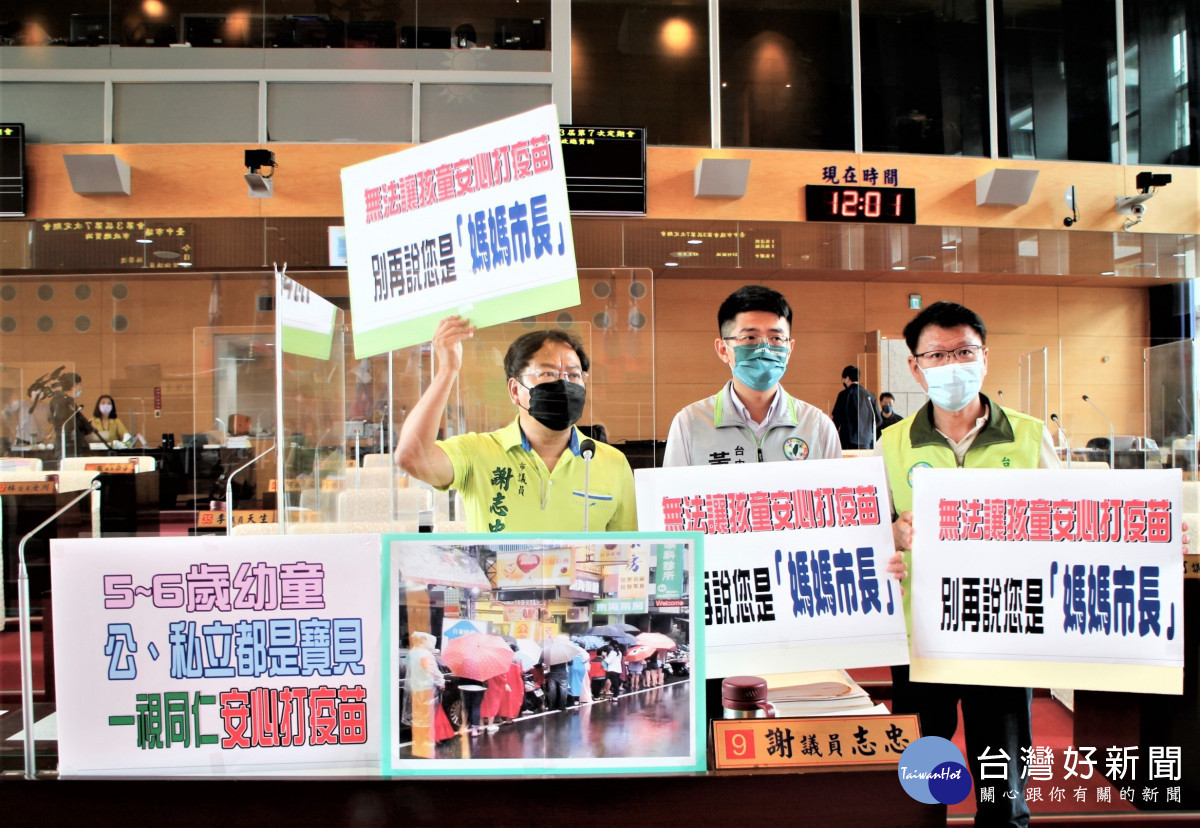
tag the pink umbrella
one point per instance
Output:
(657, 640)
(477, 656)
(639, 652)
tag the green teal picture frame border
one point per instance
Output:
(698, 764)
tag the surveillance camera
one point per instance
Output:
(1146, 180)
(1134, 205)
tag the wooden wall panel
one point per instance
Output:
(887, 308)
(1091, 311)
(206, 180)
(1028, 310)
(687, 305)
(945, 189)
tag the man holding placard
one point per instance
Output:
(752, 419)
(961, 428)
(537, 474)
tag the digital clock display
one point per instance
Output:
(869, 205)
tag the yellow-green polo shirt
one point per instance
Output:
(506, 486)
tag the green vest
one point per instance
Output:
(1009, 440)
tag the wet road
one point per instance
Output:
(649, 723)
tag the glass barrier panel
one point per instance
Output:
(233, 424)
(1032, 382)
(1171, 411)
(311, 465)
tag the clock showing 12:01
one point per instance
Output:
(868, 205)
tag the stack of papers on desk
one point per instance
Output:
(819, 693)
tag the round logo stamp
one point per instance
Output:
(921, 465)
(795, 449)
(932, 770)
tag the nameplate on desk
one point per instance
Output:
(1191, 566)
(216, 517)
(29, 487)
(113, 468)
(291, 485)
(812, 741)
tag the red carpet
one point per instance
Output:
(10, 664)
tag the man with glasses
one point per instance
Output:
(752, 419)
(528, 476)
(961, 428)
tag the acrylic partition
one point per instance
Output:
(233, 423)
(310, 461)
(1171, 407)
(1034, 384)
(28, 438)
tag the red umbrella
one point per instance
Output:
(639, 652)
(477, 656)
(657, 640)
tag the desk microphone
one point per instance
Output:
(587, 448)
(1066, 438)
(1187, 421)
(1112, 434)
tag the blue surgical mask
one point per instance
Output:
(761, 366)
(953, 386)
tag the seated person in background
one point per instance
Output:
(528, 476)
(33, 420)
(105, 421)
(887, 407)
(67, 420)
(10, 399)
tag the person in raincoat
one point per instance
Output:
(577, 679)
(423, 685)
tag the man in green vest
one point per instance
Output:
(961, 428)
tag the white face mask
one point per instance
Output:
(953, 386)
(105, 409)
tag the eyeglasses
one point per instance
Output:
(549, 375)
(967, 353)
(755, 339)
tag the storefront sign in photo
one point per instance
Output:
(1048, 578)
(795, 561)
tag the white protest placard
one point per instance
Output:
(795, 561)
(306, 319)
(217, 656)
(1044, 578)
(476, 224)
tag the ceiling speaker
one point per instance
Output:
(1008, 188)
(98, 174)
(722, 177)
